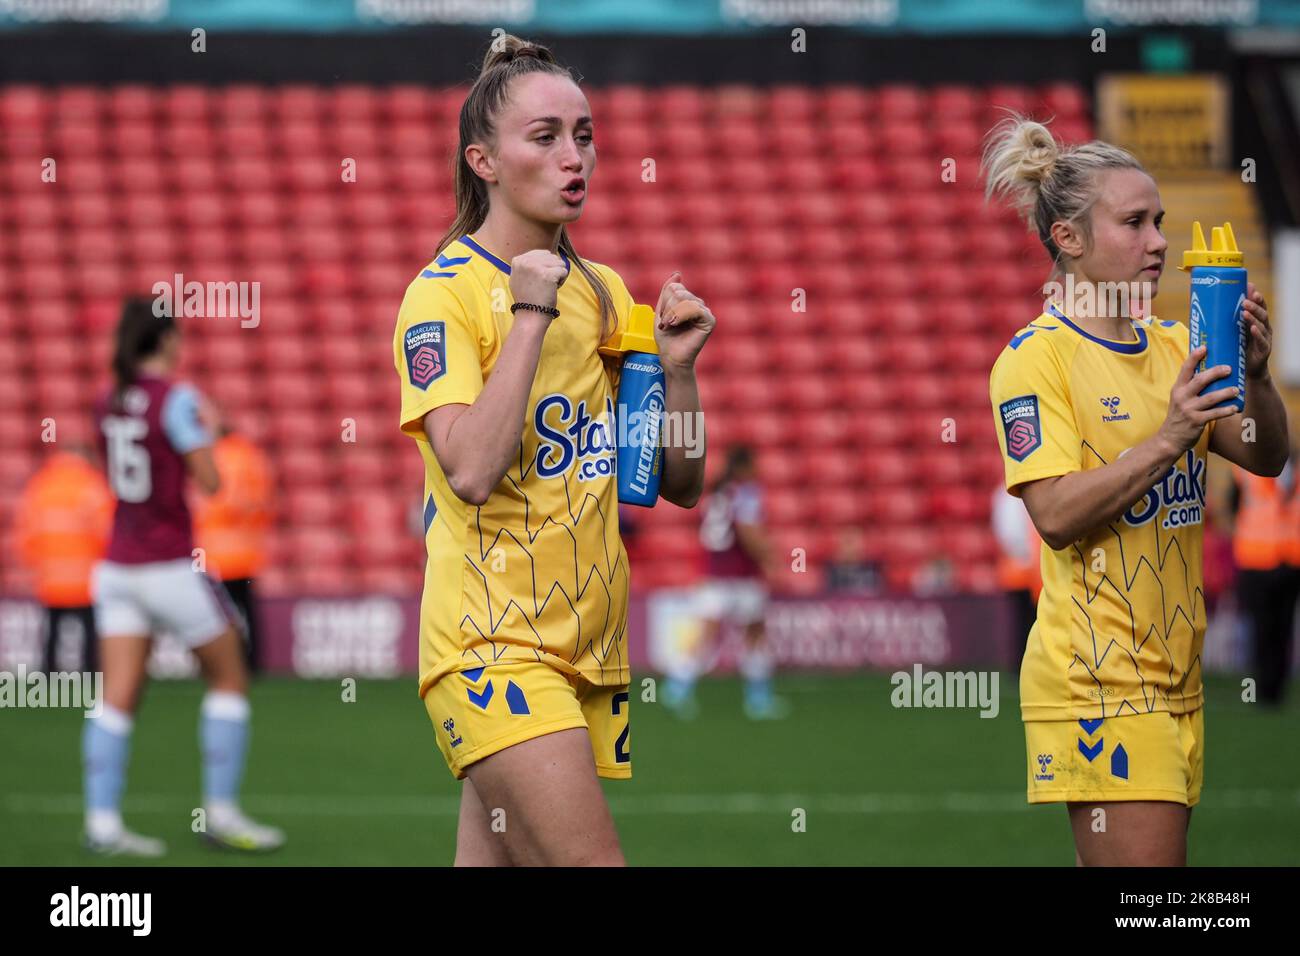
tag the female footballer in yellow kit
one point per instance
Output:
(523, 652)
(1105, 438)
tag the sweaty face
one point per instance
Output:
(543, 156)
(1127, 244)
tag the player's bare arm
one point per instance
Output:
(475, 443)
(755, 543)
(684, 325)
(1266, 453)
(203, 469)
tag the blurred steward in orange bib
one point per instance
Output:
(64, 517)
(1266, 546)
(231, 527)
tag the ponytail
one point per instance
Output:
(139, 335)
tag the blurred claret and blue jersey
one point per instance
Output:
(738, 502)
(143, 439)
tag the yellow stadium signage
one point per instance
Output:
(1172, 123)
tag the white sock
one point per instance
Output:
(756, 664)
(104, 825)
(221, 812)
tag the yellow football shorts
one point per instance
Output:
(1156, 756)
(479, 712)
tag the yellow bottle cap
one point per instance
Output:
(639, 336)
(1223, 249)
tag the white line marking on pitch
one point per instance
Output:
(683, 804)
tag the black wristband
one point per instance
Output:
(544, 309)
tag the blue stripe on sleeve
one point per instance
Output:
(180, 420)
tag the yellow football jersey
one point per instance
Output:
(1121, 618)
(539, 572)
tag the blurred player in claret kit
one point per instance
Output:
(1105, 437)
(154, 432)
(523, 625)
(734, 591)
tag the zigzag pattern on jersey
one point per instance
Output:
(1149, 693)
(613, 567)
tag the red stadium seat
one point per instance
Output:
(801, 394)
(1003, 98)
(836, 507)
(82, 145)
(778, 468)
(850, 140)
(133, 138)
(312, 506)
(900, 101)
(24, 106)
(355, 102)
(886, 467)
(41, 244)
(907, 140)
(852, 103)
(949, 104)
(132, 102)
(187, 101)
(182, 140)
(1067, 101)
(409, 103)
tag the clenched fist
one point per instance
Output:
(536, 277)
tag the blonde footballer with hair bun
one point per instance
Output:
(1046, 181)
(1105, 436)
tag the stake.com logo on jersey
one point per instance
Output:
(565, 435)
(1181, 491)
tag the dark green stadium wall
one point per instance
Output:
(447, 56)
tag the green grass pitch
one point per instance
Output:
(362, 783)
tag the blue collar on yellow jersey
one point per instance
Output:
(1128, 348)
(505, 266)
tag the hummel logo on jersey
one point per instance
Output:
(1112, 407)
(449, 725)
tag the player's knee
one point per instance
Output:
(229, 684)
(123, 694)
(228, 680)
(124, 700)
(224, 665)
